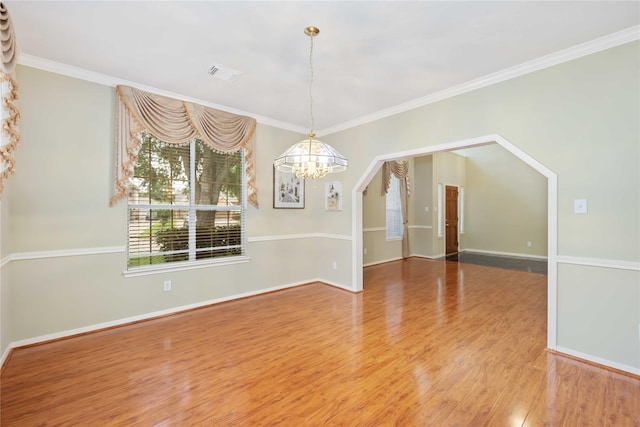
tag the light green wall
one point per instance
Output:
(579, 119)
(374, 211)
(53, 295)
(59, 194)
(420, 237)
(58, 200)
(5, 306)
(576, 118)
(374, 237)
(599, 309)
(373, 203)
(505, 203)
(67, 131)
(5, 314)
(425, 172)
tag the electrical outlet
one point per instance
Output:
(529, 244)
(167, 285)
(365, 251)
(335, 265)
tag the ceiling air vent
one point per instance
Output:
(224, 73)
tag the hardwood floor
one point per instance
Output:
(428, 343)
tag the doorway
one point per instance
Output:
(552, 214)
(451, 219)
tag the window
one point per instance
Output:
(394, 210)
(186, 204)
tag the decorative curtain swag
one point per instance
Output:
(177, 122)
(400, 169)
(8, 61)
(8, 41)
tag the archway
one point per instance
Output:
(552, 227)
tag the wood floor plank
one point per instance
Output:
(428, 343)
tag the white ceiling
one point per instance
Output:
(369, 56)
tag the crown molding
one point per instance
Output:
(612, 40)
(106, 80)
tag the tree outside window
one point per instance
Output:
(186, 203)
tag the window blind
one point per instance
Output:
(186, 204)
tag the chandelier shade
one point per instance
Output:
(311, 158)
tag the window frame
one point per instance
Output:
(192, 207)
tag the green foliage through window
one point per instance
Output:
(186, 203)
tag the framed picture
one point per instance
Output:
(333, 196)
(288, 190)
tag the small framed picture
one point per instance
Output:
(288, 190)
(333, 196)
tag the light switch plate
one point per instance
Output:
(580, 206)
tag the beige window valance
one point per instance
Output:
(177, 122)
(400, 169)
(8, 61)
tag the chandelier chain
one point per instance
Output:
(311, 85)
(311, 158)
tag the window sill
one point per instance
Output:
(393, 239)
(180, 266)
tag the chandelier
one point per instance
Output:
(311, 158)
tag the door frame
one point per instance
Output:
(444, 215)
(552, 215)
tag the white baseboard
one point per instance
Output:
(175, 310)
(160, 313)
(599, 361)
(336, 285)
(381, 262)
(399, 258)
(423, 256)
(5, 355)
(508, 254)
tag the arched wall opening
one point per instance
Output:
(552, 212)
